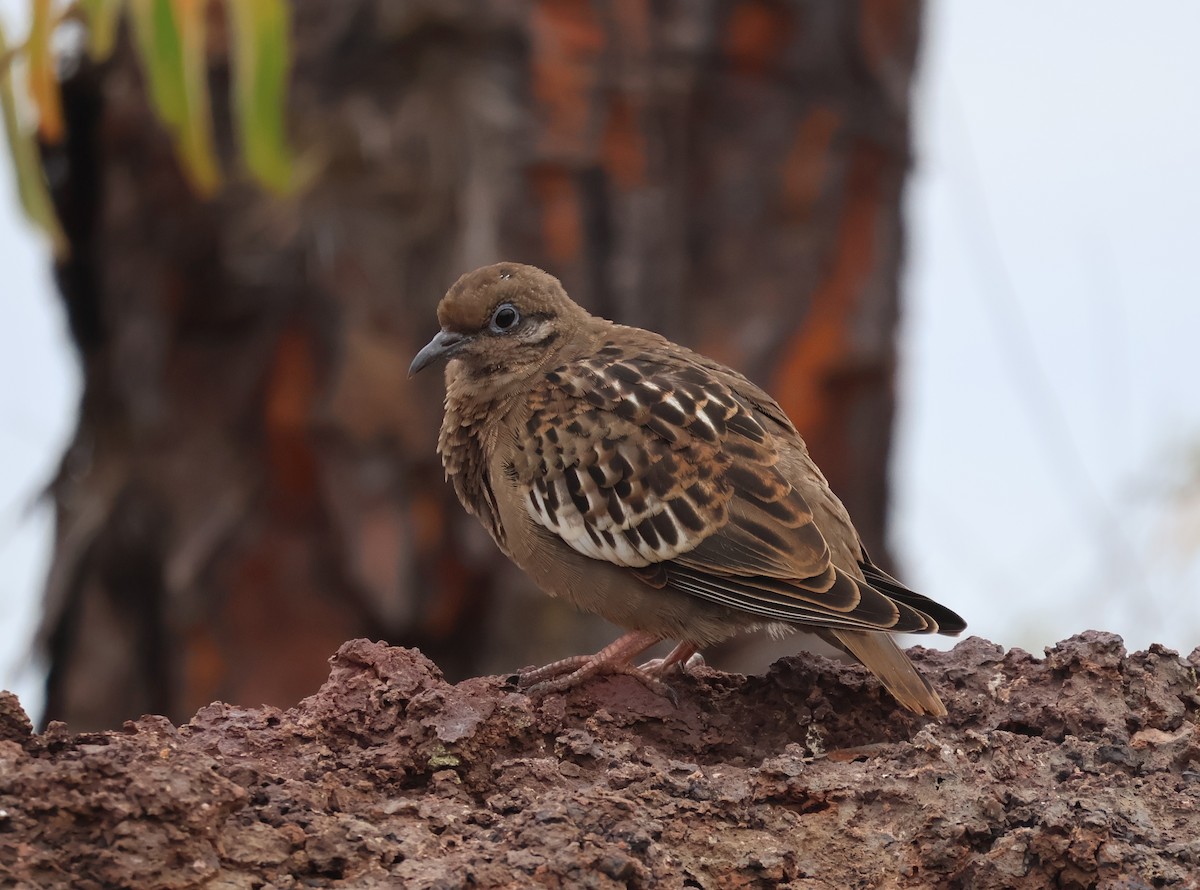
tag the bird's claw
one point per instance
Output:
(662, 667)
(540, 682)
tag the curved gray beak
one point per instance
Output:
(443, 345)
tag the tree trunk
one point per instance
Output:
(253, 479)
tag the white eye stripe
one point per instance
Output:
(533, 332)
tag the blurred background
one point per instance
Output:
(957, 241)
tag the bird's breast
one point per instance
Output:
(463, 445)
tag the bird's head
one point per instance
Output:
(499, 325)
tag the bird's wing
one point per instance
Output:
(658, 463)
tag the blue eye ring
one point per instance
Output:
(505, 318)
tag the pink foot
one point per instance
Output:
(682, 658)
(616, 658)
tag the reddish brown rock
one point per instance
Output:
(1078, 770)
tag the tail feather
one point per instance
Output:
(883, 657)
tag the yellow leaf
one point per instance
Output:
(31, 179)
(170, 35)
(43, 82)
(261, 62)
(102, 18)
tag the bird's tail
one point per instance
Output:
(883, 657)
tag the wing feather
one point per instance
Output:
(666, 464)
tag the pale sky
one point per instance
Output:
(1050, 364)
(1049, 348)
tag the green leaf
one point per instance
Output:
(102, 18)
(261, 62)
(31, 178)
(170, 39)
(43, 81)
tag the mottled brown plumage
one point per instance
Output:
(651, 485)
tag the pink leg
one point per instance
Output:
(679, 656)
(614, 658)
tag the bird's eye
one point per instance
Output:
(505, 318)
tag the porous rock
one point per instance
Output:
(1078, 770)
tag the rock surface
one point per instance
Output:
(1078, 770)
